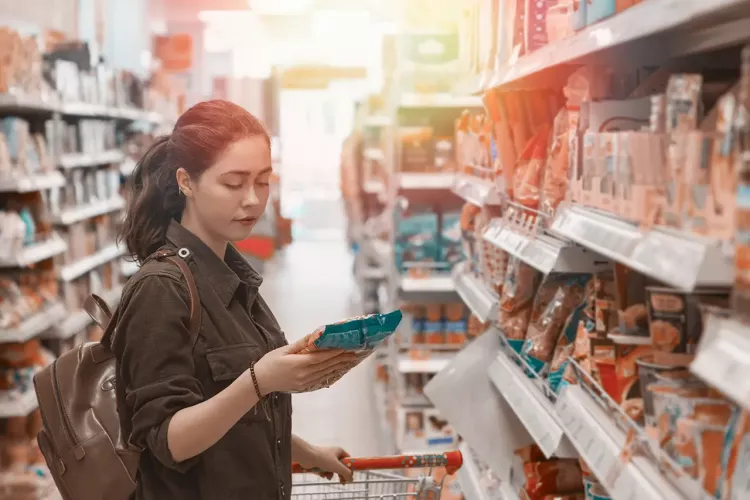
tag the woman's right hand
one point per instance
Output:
(288, 369)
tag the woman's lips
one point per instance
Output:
(248, 221)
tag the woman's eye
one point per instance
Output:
(234, 186)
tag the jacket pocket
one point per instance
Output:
(229, 362)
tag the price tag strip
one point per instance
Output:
(601, 444)
(723, 359)
(476, 295)
(412, 181)
(673, 257)
(537, 413)
(476, 190)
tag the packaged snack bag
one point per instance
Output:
(631, 301)
(514, 311)
(559, 296)
(417, 239)
(361, 334)
(553, 477)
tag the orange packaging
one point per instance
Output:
(433, 326)
(735, 483)
(553, 477)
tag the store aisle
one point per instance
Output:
(307, 285)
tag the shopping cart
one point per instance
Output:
(373, 482)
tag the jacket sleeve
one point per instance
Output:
(154, 351)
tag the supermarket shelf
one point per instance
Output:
(18, 407)
(412, 181)
(129, 268)
(475, 294)
(439, 100)
(10, 103)
(32, 182)
(80, 320)
(542, 252)
(34, 325)
(374, 154)
(378, 121)
(678, 259)
(536, 412)
(36, 252)
(600, 442)
(83, 212)
(478, 191)
(438, 288)
(91, 262)
(79, 160)
(723, 359)
(468, 477)
(432, 364)
(679, 25)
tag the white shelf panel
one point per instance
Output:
(33, 182)
(678, 259)
(34, 325)
(77, 269)
(36, 252)
(643, 20)
(439, 100)
(542, 252)
(533, 409)
(600, 441)
(79, 320)
(478, 191)
(374, 154)
(436, 362)
(18, 407)
(378, 121)
(80, 160)
(77, 214)
(476, 295)
(414, 181)
(723, 359)
(11, 102)
(468, 477)
(436, 284)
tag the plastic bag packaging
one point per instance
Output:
(519, 288)
(361, 334)
(559, 296)
(531, 173)
(553, 477)
(557, 175)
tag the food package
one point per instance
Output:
(417, 239)
(514, 311)
(476, 327)
(623, 384)
(558, 296)
(631, 301)
(675, 320)
(557, 174)
(553, 477)
(362, 334)
(530, 170)
(455, 323)
(451, 248)
(469, 214)
(653, 367)
(492, 261)
(735, 482)
(417, 149)
(433, 324)
(530, 453)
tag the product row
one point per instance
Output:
(25, 293)
(427, 240)
(87, 237)
(23, 472)
(22, 152)
(439, 324)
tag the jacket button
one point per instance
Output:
(276, 397)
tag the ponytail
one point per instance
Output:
(200, 135)
(154, 202)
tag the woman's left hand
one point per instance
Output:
(328, 460)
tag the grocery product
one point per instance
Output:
(433, 324)
(417, 239)
(631, 301)
(735, 461)
(359, 333)
(650, 366)
(451, 249)
(552, 477)
(417, 149)
(514, 311)
(559, 295)
(675, 319)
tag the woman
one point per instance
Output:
(210, 410)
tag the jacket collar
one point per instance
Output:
(225, 276)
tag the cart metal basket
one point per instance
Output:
(374, 479)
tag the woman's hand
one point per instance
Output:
(328, 461)
(287, 369)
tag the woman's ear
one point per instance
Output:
(183, 182)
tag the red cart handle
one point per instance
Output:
(451, 460)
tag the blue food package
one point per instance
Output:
(417, 238)
(451, 243)
(359, 333)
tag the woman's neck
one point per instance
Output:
(217, 245)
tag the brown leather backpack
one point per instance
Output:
(81, 438)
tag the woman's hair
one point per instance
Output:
(200, 135)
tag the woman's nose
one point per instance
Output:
(251, 198)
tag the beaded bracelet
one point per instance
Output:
(261, 399)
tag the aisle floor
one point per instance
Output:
(307, 285)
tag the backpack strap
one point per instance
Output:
(101, 313)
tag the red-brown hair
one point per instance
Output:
(200, 135)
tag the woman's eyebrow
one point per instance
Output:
(246, 173)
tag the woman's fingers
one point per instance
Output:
(345, 473)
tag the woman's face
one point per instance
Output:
(231, 195)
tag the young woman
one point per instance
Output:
(211, 410)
